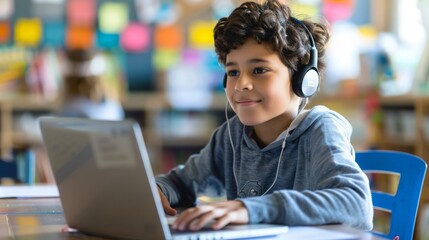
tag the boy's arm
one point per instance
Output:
(337, 192)
(180, 185)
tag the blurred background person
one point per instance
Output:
(85, 94)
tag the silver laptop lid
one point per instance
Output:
(107, 187)
(104, 177)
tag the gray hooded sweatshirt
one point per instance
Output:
(318, 180)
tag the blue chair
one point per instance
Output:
(403, 206)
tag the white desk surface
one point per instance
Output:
(42, 218)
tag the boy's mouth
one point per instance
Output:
(247, 102)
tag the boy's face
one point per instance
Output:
(258, 84)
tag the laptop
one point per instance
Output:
(106, 184)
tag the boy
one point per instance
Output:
(277, 162)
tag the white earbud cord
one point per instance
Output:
(301, 107)
(232, 145)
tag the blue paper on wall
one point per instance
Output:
(54, 34)
(140, 72)
(107, 40)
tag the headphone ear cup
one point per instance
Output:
(224, 81)
(306, 81)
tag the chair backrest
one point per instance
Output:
(403, 206)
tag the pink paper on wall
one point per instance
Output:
(81, 12)
(135, 37)
(338, 10)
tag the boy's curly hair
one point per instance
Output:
(270, 22)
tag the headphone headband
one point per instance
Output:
(306, 79)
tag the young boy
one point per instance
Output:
(276, 162)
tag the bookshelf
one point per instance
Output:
(404, 126)
(152, 110)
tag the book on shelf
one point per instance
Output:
(26, 166)
(21, 168)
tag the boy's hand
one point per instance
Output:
(220, 213)
(166, 205)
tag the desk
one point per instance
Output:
(42, 218)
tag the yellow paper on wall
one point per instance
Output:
(28, 32)
(302, 10)
(113, 17)
(165, 59)
(201, 35)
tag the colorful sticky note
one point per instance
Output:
(222, 8)
(81, 12)
(113, 17)
(54, 34)
(79, 37)
(48, 10)
(157, 11)
(303, 10)
(147, 10)
(201, 34)
(6, 9)
(338, 10)
(191, 56)
(165, 59)
(135, 37)
(28, 31)
(168, 37)
(186, 78)
(4, 32)
(107, 40)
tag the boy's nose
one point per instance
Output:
(243, 83)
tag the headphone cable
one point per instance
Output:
(233, 152)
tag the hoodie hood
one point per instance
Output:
(314, 115)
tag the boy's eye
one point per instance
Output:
(259, 70)
(233, 73)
